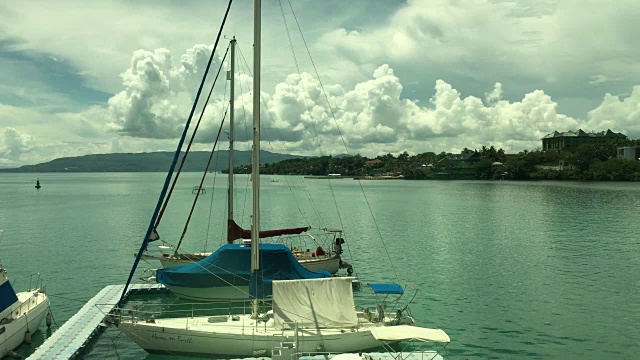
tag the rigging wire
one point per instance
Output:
(246, 131)
(186, 225)
(313, 125)
(213, 186)
(213, 189)
(223, 219)
(150, 228)
(193, 135)
(343, 140)
(313, 205)
(204, 108)
(335, 202)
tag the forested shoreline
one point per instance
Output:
(589, 162)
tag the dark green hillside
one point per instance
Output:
(146, 162)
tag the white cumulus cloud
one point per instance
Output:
(154, 89)
(15, 144)
(371, 117)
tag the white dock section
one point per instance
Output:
(68, 340)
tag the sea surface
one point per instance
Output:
(510, 270)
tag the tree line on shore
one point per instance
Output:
(587, 162)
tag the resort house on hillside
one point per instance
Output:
(629, 152)
(457, 166)
(570, 140)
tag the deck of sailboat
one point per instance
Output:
(245, 325)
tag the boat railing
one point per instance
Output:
(198, 189)
(150, 311)
(24, 307)
(414, 349)
(35, 282)
(423, 354)
(303, 241)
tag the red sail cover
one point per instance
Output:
(234, 232)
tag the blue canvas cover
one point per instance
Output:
(7, 296)
(387, 289)
(231, 265)
(259, 288)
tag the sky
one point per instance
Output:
(384, 76)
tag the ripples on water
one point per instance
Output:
(508, 269)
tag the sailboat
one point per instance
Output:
(225, 275)
(20, 314)
(314, 315)
(318, 259)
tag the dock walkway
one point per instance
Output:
(69, 339)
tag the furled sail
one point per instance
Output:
(235, 232)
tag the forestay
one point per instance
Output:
(320, 303)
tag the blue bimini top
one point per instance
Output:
(387, 288)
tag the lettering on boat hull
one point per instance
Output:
(172, 338)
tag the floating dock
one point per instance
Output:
(68, 341)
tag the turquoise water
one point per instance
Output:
(509, 269)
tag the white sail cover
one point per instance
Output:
(319, 303)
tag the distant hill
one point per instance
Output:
(148, 162)
(340, 156)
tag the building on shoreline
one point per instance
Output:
(629, 152)
(457, 166)
(571, 140)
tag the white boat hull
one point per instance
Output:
(330, 264)
(197, 337)
(32, 307)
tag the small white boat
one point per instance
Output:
(20, 314)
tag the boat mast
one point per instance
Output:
(231, 129)
(255, 164)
